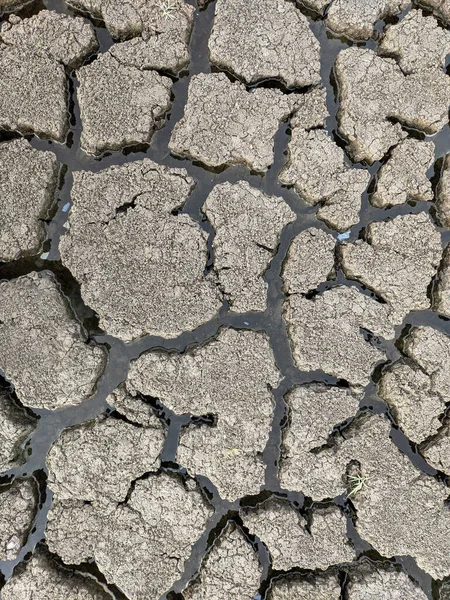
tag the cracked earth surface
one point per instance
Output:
(224, 300)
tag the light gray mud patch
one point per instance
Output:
(15, 427)
(17, 511)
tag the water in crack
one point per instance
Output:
(52, 423)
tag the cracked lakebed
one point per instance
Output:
(224, 300)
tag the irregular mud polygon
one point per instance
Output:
(375, 98)
(325, 333)
(292, 544)
(247, 224)
(441, 8)
(318, 170)
(32, 93)
(356, 18)
(146, 274)
(319, 588)
(17, 512)
(223, 124)
(28, 180)
(43, 351)
(373, 584)
(231, 570)
(228, 378)
(139, 544)
(120, 105)
(279, 44)
(441, 291)
(404, 176)
(314, 411)
(397, 260)
(97, 461)
(417, 42)
(69, 40)
(309, 261)
(15, 427)
(41, 578)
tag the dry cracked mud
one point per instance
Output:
(224, 300)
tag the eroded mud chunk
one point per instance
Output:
(229, 379)
(283, 530)
(441, 291)
(32, 93)
(356, 18)
(417, 42)
(99, 460)
(17, 511)
(141, 268)
(319, 588)
(325, 333)
(443, 193)
(42, 349)
(43, 579)
(437, 452)
(120, 105)
(404, 176)
(314, 411)
(375, 97)
(397, 260)
(223, 124)
(318, 170)
(28, 180)
(9, 5)
(278, 45)
(140, 17)
(417, 389)
(139, 544)
(248, 225)
(373, 585)
(441, 8)
(309, 261)
(231, 570)
(15, 427)
(69, 40)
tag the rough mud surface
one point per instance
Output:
(224, 300)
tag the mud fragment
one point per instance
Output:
(441, 8)
(231, 570)
(291, 544)
(437, 452)
(228, 378)
(374, 584)
(387, 261)
(441, 291)
(17, 511)
(278, 45)
(15, 427)
(325, 333)
(139, 544)
(120, 105)
(69, 40)
(318, 170)
(375, 98)
(319, 588)
(97, 461)
(356, 18)
(309, 261)
(28, 180)
(223, 124)
(417, 43)
(10, 5)
(404, 176)
(247, 225)
(32, 93)
(43, 352)
(443, 193)
(41, 578)
(314, 411)
(312, 110)
(171, 19)
(140, 266)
